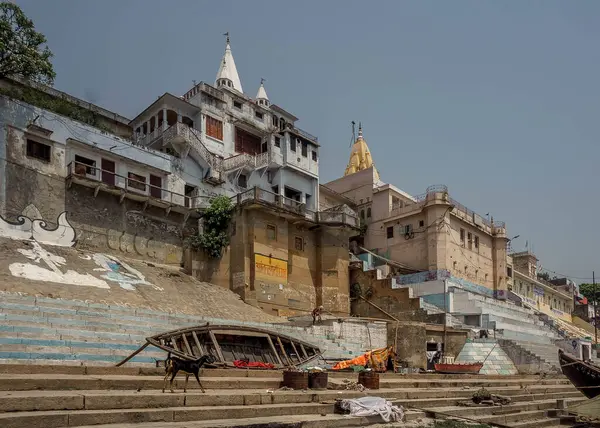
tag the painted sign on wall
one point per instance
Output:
(270, 269)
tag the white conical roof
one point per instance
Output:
(227, 69)
(262, 93)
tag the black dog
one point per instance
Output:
(173, 365)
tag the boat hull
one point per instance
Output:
(456, 368)
(584, 376)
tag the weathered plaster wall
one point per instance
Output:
(102, 223)
(410, 338)
(384, 300)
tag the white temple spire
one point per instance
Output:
(261, 97)
(227, 74)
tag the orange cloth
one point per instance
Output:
(376, 358)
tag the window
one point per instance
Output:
(462, 237)
(190, 194)
(466, 268)
(476, 273)
(271, 232)
(369, 212)
(390, 232)
(274, 120)
(470, 239)
(477, 242)
(277, 142)
(421, 223)
(408, 229)
(314, 155)
(242, 181)
(299, 243)
(84, 166)
(214, 128)
(362, 214)
(135, 181)
(259, 115)
(304, 149)
(38, 150)
(237, 105)
(156, 186)
(293, 144)
(454, 265)
(486, 277)
(509, 271)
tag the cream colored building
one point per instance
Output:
(431, 232)
(537, 293)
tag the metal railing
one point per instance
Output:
(260, 195)
(113, 180)
(419, 200)
(305, 134)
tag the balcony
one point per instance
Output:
(186, 139)
(130, 188)
(295, 209)
(207, 89)
(246, 160)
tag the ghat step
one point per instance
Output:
(28, 401)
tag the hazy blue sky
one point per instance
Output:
(498, 100)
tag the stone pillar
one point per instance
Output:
(164, 113)
(179, 117)
(499, 243)
(438, 238)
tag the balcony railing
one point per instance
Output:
(305, 134)
(191, 136)
(246, 160)
(296, 207)
(110, 180)
(206, 88)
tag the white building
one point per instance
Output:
(233, 141)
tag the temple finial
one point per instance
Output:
(360, 130)
(262, 80)
(227, 35)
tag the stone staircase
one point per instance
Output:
(40, 330)
(109, 397)
(516, 324)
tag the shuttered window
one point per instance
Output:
(214, 128)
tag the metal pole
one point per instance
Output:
(595, 313)
(445, 322)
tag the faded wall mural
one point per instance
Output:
(26, 228)
(49, 267)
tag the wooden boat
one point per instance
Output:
(227, 343)
(584, 376)
(458, 368)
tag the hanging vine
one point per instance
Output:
(217, 220)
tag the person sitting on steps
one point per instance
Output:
(316, 313)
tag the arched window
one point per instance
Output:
(369, 212)
(362, 214)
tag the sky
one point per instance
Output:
(497, 100)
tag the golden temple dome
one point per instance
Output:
(360, 157)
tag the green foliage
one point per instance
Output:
(23, 51)
(355, 290)
(58, 105)
(591, 291)
(217, 219)
(362, 227)
(544, 275)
